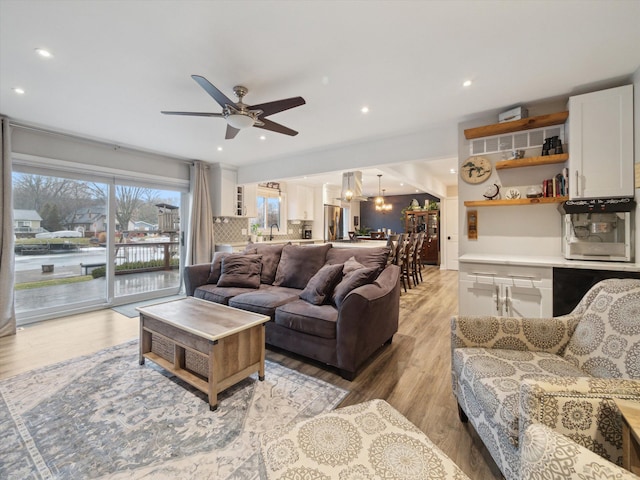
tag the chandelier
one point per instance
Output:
(379, 200)
(348, 195)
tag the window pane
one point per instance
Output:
(147, 249)
(273, 212)
(60, 229)
(261, 213)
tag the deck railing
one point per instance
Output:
(146, 256)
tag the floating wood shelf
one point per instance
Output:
(532, 161)
(520, 201)
(517, 125)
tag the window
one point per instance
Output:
(268, 206)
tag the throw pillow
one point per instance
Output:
(351, 281)
(351, 265)
(321, 284)
(270, 258)
(299, 263)
(216, 266)
(240, 270)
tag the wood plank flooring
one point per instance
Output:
(413, 373)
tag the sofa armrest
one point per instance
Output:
(544, 450)
(194, 276)
(581, 408)
(513, 333)
(368, 317)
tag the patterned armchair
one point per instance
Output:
(508, 373)
(544, 450)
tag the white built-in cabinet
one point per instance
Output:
(514, 291)
(246, 196)
(223, 191)
(299, 202)
(600, 138)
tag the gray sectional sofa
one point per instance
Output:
(335, 305)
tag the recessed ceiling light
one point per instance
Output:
(417, 191)
(219, 149)
(364, 109)
(466, 83)
(402, 184)
(44, 53)
(19, 91)
(452, 170)
(262, 137)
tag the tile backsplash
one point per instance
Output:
(231, 231)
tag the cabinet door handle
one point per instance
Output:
(527, 277)
(577, 180)
(488, 274)
(507, 300)
(498, 302)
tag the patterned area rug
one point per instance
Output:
(103, 415)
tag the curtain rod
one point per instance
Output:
(103, 143)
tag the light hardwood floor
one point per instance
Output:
(412, 374)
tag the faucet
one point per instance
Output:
(271, 230)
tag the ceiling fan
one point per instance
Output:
(239, 115)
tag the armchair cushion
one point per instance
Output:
(544, 450)
(489, 381)
(606, 342)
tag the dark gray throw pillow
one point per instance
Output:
(216, 266)
(321, 285)
(351, 281)
(270, 259)
(299, 263)
(240, 270)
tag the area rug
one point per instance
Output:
(105, 416)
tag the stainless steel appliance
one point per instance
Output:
(333, 223)
(306, 234)
(598, 229)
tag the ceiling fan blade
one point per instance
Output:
(194, 114)
(270, 108)
(217, 95)
(231, 132)
(276, 127)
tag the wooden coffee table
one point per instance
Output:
(228, 343)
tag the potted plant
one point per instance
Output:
(254, 232)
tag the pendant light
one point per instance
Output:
(348, 195)
(379, 201)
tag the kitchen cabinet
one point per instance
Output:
(300, 202)
(223, 191)
(600, 134)
(246, 196)
(514, 291)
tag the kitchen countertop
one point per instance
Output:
(306, 241)
(272, 242)
(536, 261)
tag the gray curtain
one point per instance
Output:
(7, 304)
(201, 245)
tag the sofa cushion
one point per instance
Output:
(606, 342)
(489, 382)
(317, 320)
(240, 270)
(216, 266)
(299, 263)
(265, 300)
(351, 281)
(270, 258)
(369, 257)
(321, 285)
(216, 294)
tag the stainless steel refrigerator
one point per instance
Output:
(333, 223)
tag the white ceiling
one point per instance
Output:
(116, 64)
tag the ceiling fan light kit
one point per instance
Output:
(240, 115)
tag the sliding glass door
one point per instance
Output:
(83, 242)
